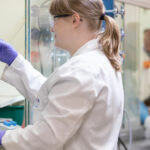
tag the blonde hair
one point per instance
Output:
(92, 10)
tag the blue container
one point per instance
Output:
(14, 112)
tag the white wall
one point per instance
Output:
(12, 22)
(12, 29)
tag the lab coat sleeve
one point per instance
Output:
(70, 99)
(23, 77)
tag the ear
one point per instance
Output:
(76, 20)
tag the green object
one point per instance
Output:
(14, 112)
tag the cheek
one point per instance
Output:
(59, 38)
(57, 31)
(62, 34)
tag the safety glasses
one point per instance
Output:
(60, 16)
(53, 18)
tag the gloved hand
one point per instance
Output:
(7, 52)
(1, 135)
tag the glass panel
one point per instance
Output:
(44, 56)
(144, 72)
(135, 77)
(40, 49)
(131, 64)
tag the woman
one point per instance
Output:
(80, 106)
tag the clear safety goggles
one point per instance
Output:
(53, 19)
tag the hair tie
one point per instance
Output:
(102, 17)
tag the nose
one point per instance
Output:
(52, 25)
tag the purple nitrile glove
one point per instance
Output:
(1, 135)
(7, 52)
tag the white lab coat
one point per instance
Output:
(79, 107)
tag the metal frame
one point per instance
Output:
(27, 54)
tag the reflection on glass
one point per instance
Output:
(129, 30)
(44, 55)
(135, 83)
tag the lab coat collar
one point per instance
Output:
(89, 46)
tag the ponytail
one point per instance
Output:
(110, 41)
